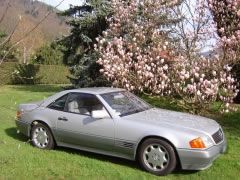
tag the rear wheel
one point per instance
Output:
(41, 137)
(157, 156)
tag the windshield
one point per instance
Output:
(125, 103)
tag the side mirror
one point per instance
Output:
(100, 114)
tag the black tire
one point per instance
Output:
(147, 149)
(50, 144)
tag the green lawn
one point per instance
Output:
(19, 160)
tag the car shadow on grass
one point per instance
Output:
(116, 160)
(105, 158)
(12, 132)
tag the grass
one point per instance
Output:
(19, 160)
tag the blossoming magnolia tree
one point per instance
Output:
(199, 81)
(226, 14)
(227, 17)
(134, 50)
(136, 53)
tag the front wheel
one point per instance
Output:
(41, 137)
(157, 156)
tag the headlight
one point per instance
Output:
(207, 141)
(201, 143)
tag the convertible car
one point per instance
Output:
(115, 122)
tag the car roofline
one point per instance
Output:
(96, 90)
(92, 90)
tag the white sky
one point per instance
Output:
(64, 5)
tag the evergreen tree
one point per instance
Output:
(50, 54)
(87, 23)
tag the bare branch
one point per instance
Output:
(30, 31)
(11, 34)
(5, 12)
(194, 30)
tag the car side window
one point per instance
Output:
(59, 104)
(83, 103)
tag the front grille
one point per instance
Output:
(218, 136)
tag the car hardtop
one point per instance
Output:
(95, 90)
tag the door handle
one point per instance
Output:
(62, 119)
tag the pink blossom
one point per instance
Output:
(129, 63)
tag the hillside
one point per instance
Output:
(31, 12)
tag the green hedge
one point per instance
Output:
(6, 70)
(54, 74)
(48, 74)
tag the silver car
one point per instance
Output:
(115, 122)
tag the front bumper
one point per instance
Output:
(23, 127)
(200, 159)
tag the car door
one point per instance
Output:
(77, 127)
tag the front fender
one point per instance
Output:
(177, 138)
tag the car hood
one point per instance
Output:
(176, 119)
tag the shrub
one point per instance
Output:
(26, 74)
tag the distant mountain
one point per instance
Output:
(31, 12)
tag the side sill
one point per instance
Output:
(95, 151)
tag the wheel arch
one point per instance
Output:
(157, 137)
(44, 123)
